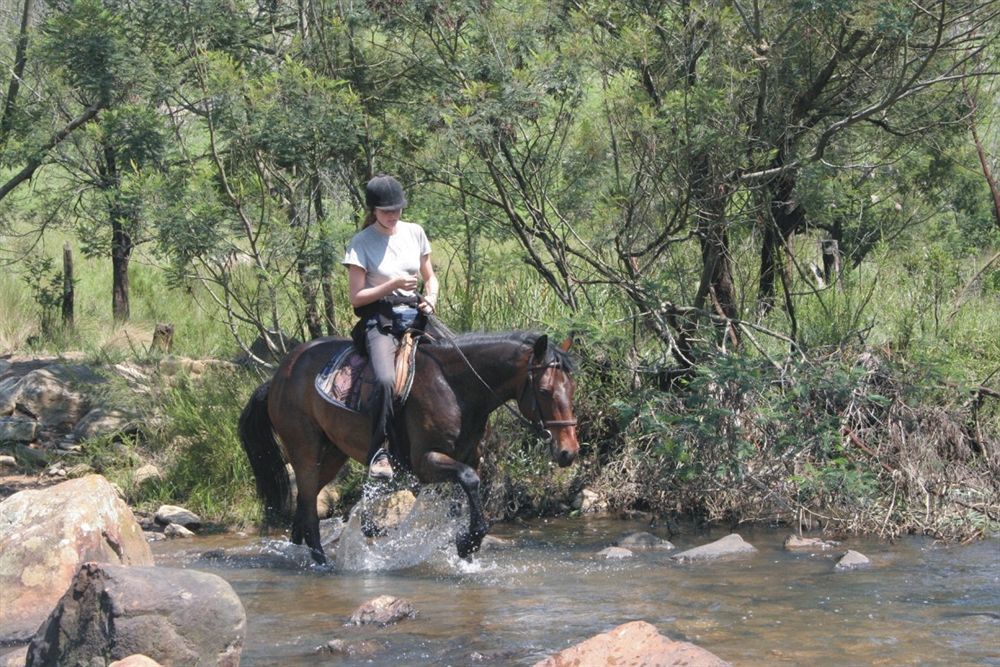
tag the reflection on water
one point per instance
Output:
(920, 603)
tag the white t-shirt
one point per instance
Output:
(387, 256)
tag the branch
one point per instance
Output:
(36, 161)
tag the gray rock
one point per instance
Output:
(101, 422)
(176, 530)
(796, 543)
(615, 552)
(168, 514)
(493, 543)
(174, 616)
(15, 657)
(47, 534)
(18, 429)
(361, 649)
(48, 394)
(643, 540)
(852, 560)
(386, 512)
(146, 473)
(730, 545)
(590, 502)
(7, 461)
(31, 455)
(382, 611)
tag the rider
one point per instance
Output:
(385, 261)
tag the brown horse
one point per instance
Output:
(459, 383)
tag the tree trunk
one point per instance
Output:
(10, 104)
(121, 253)
(786, 218)
(67, 294)
(716, 290)
(121, 237)
(326, 263)
(831, 260)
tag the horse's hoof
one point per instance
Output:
(319, 557)
(467, 545)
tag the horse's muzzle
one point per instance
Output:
(565, 457)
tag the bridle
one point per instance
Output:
(540, 425)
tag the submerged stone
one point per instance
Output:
(730, 545)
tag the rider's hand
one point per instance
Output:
(407, 283)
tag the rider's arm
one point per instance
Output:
(430, 281)
(362, 296)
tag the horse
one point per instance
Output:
(439, 431)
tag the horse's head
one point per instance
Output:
(547, 399)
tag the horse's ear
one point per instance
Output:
(541, 347)
(566, 344)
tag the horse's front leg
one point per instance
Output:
(444, 468)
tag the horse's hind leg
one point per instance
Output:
(310, 477)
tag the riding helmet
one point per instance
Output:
(384, 192)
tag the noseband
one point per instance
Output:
(541, 425)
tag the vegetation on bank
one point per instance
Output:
(773, 230)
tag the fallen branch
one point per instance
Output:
(863, 447)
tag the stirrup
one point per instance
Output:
(380, 468)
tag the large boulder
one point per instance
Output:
(174, 616)
(50, 395)
(46, 534)
(635, 643)
(385, 512)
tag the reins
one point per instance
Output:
(540, 426)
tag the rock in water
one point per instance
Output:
(852, 560)
(730, 545)
(382, 611)
(635, 643)
(174, 616)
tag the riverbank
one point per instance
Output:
(851, 453)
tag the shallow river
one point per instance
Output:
(920, 602)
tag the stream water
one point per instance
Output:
(545, 589)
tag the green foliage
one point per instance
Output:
(592, 168)
(204, 465)
(45, 283)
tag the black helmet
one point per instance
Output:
(384, 192)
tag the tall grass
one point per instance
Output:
(202, 463)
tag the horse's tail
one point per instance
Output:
(268, 464)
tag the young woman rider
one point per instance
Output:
(386, 261)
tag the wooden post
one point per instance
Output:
(67, 293)
(163, 338)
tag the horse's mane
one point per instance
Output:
(442, 335)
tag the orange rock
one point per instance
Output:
(635, 644)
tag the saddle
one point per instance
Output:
(347, 380)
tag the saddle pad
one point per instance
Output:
(347, 380)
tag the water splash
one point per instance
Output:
(429, 528)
